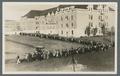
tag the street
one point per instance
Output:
(19, 45)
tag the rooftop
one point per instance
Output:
(33, 13)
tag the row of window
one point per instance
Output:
(67, 18)
(90, 9)
(72, 32)
(90, 17)
(91, 24)
(100, 24)
(45, 23)
(49, 27)
(105, 23)
(67, 25)
(100, 17)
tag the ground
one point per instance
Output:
(95, 61)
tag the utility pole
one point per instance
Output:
(73, 61)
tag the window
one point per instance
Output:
(66, 17)
(101, 18)
(61, 18)
(72, 32)
(37, 22)
(66, 25)
(36, 27)
(99, 24)
(90, 17)
(89, 9)
(61, 32)
(36, 18)
(72, 25)
(91, 24)
(66, 33)
(101, 13)
(71, 17)
(106, 23)
(62, 25)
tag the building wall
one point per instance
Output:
(46, 24)
(27, 25)
(69, 21)
(11, 27)
(82, 22)
(111, 20)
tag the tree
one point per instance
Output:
(87, 30)
(95, 31)
(103, 29)
(112, 30)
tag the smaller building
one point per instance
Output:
(12, 27)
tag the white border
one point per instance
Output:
(82, 3)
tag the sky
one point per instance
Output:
(15, 10)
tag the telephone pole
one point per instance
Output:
(73, 61)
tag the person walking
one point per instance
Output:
(18, 59)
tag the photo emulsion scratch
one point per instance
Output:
(59, 38)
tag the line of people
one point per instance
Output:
(57, 53)
(70, 39)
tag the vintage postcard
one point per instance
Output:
(59, 37)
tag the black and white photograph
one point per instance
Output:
(59, 38)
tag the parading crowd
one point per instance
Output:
(81, 40)
(88, 46)
(57, 53)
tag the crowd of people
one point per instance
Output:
(88, 46)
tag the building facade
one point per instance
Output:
(69, 20)
(12, 27)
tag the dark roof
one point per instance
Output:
(76, 6)
(33, 13)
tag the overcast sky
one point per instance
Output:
(14, 10)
